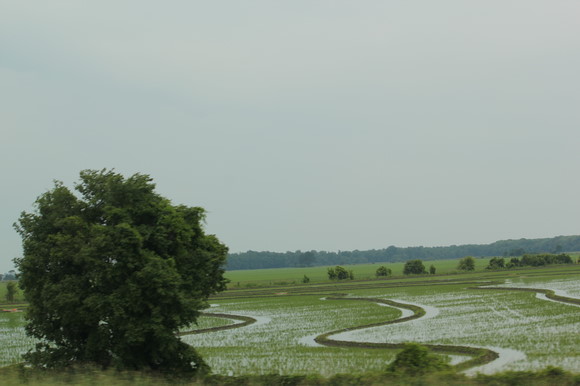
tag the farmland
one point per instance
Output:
(284, 325)
(263, 277)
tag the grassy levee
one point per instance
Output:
(549, 293)
(480, 356)
(245, 321)
(340, 287)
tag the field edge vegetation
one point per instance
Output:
(86, 375)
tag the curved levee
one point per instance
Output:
(244, 321)
(550, 294)
(480, 356)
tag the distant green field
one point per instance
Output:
(282, 276)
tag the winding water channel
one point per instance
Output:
(481, 359)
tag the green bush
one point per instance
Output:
(417, 360)
(339, 273)
(466, 264)
(383, 271)
(414, 267)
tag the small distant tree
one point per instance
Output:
(466, 264)
(414, 267)
(432, 269)
(496, 263)
(331, 273)
(11, 291)
(383, 271)
(339, 273)
(417, 360)
(305, 279)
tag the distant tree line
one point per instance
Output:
(505, 248)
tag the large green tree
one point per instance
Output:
(113, 272)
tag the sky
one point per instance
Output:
(303, 124)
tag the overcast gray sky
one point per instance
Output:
(303, 124)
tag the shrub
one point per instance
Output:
(11, 291)
(496, 263)
(414, 267)
(466, 264)
(339, 273)
(383, 271)
(417, 360)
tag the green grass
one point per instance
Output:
(285, 276)
(92, 376)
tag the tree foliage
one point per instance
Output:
(432, 270)
(340, 273)
(383, 271)
(496, 263)
(539, 260)
(11, 291)
(417, 360)
(414, 267)
(466, 264)
(545, 259)
(306, 259)
(10, 275)
(391, 254)
(113, 272)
